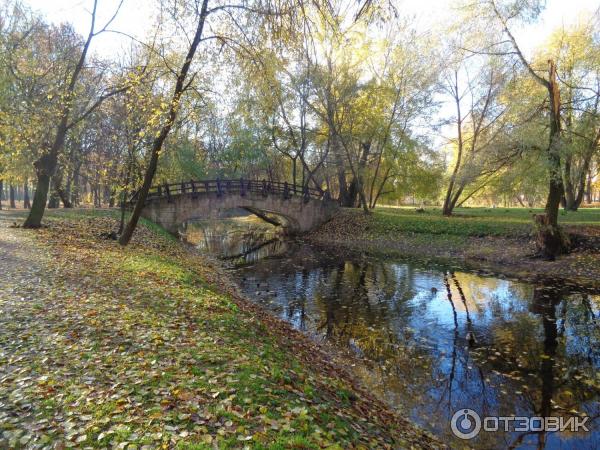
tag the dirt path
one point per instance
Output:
(24, 321)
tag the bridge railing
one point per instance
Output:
(224, 187)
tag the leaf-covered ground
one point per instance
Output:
(134, 348)
(496, 240)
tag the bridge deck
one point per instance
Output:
(223, 187)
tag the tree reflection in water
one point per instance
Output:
(432, 341)
(241, 237)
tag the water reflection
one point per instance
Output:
(434, 341)
(241, 238)
(431, 340)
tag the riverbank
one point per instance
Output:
(149, 346)
(479, 239)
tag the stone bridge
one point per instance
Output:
(296, 209)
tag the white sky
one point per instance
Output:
(135, 17)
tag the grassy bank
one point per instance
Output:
(497, 240)
(480, 222)
(137, 348)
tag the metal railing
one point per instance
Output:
(226, 187)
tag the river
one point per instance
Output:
(432, 340)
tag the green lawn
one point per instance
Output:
(513, 222)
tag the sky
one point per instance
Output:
(135, 18)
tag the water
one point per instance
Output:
(431, 341)
(240, 239)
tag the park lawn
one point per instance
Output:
(138, 348)
(479, 222)
(497, 240)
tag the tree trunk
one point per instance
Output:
(54, 199)
(518, 197)
(355, 193)
(11, 193)
(363, 199)
(69, 185)
(588, 191)
(58, 191)
(111, 197)
(568, 185)
(585, 176)
(75, 187)
(580, 189)
(1, 192)
(457, 195)
(39, 199)
(380, 188)
(344, 195)
(125, 193)
(551, 241)
(360, 185)
(26, 202)
(350, 200)
(448, 206)
(556, 186)
(64, 198)
(105, 197)
(96, 194)
(294, 170)
(160, 139)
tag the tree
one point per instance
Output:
(405, 74)
(45, 165)
(260, 18)
(479, 126)
(576, 51)
(551, 240)
(158, 142)
(26, 46)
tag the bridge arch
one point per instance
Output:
(173, 204)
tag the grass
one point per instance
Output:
(506, 222)
(141, 347)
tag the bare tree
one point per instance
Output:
(478, 121)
